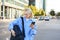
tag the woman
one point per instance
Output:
(30, 29)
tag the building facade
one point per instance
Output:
(11, 9)
(32, 2)
(0, 7)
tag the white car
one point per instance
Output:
(46, 18)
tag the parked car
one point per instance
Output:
(46, 18)
(41, 18)
(35, 19)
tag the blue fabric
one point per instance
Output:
(29, 32)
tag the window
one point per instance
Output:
(10, 1)
(1, 13)
(19, 4)
(2, 0)
(6, 0)
(1, 8)
(23, 1)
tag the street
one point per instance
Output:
(4, 33)
(46, 30)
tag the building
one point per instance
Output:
(44, 5)
(0, 7)
(11, 9)
(32, 2)
(39, 4)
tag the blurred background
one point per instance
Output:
(46, 13)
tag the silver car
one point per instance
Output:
(41, 18)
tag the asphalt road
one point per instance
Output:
(4, 33)
(46, 30)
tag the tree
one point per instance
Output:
(33, 8)
(42, 12)
(37, 14)
(58, 14)
(52, 13)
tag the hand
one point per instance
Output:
(32, 26)
(13, 33)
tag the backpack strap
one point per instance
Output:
(23, 30)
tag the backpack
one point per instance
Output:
(20, 35)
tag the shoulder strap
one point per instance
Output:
(23, 30)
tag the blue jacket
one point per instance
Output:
(29, 32)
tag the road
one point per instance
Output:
(46, 30)
(4, 33)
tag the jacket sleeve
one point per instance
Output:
(13, 23)
(33, 31)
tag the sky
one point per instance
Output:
(50, 4)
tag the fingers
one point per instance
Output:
(32, 26)
(13, 33)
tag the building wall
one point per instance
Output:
(0, 7)
(39, 4)
(32, 2)
(13, 8)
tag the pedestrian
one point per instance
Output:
(26, 25)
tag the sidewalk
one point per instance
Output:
(6, 20)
